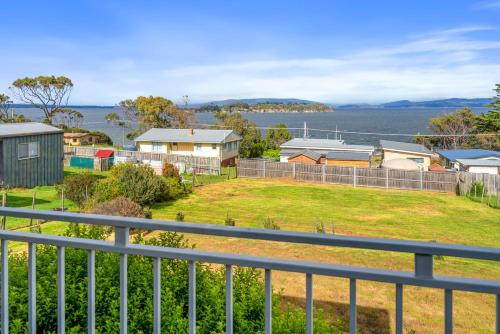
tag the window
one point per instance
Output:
(27, 150)
(214, 146)
(156, 147)
(418, 160)
(175, 146)
(198, 147)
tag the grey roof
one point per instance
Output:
(481, 163)
(390, 145)
(324, 144)
(183, 136)
(308, 153)
(353, 156)
(26, 129)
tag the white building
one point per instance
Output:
(488, 166)
(222, 144)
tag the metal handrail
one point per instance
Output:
(422, 275)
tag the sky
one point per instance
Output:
(336, 51)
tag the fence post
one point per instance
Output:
(4, 203)
(421, 180)
(387, 177)
(293, 169)
(354, 181)
(323, 174)
(264, 168)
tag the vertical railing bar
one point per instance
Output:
(229, 299)
(498, 315)
(309, 304)
(91, 292)
(268, 309)
(123, 293)
(157, 295)
(31, 288)
(448, 311)
(352, 306)
(192, 297)
(5, 287)
(61, 286)
(399, 309)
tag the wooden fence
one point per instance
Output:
(368, 177)
(201, 165)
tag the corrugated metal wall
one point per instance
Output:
(47, 169)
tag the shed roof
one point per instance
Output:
(475, 153)
(308, 153)
(211, 136)
(478, 162)
(348, 156)
(104, 153)
(76, 134)
(26, 129)
(324, 144)
(390, 145)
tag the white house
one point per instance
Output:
(394, 150)
(320, 146)
(222, 144)
(488, 166)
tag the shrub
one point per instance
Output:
(170, 170)
(78, 187)
(175, 188)
(120, 206)
(137, 182)
(271, 155)
(229, 221)
(179, 216)
(270, 224)
(320, 228)
(477, 189)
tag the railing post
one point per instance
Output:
(423, 265)
(157, 295)
(448, 311)
(229, 299)
(91, 292)
(121, 239)
(31, 288)
(268, 308)
(352, 307)
(61, 284)
(5, 287)
(399, 309)
(192, 297)
(309, 304)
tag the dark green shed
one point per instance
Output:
(31, 154)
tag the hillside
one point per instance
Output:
(444, 103)
(267, 107)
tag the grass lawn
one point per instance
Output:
(365, 212)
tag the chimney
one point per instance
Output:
(190, 132)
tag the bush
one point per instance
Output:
(78, 187)
(137, 182)
(477, 189)
(120, 206)
(320, 227)
(175, 188)
(271, 155)
(210, 303)
(170, 170)
(270, 224)
(229, 221)
(179, 216)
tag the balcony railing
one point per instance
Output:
(421, 276)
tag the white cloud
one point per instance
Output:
(448, 63)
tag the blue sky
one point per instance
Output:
(331, 51)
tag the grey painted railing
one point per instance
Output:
(421, 276)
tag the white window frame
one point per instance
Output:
(30, 154)
(156, 147)
(197, 147)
